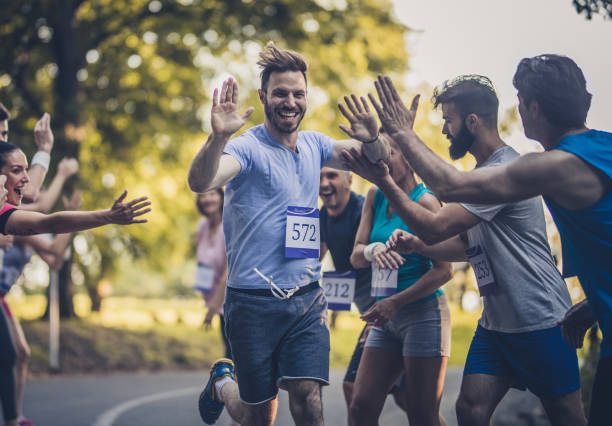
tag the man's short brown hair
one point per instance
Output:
(271, 59)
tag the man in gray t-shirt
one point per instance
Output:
(517, 342)
(530, 293)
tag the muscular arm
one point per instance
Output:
(431, 225)
(562, 176)
(451, 250)
(211, 168)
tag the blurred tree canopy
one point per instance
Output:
(128, 86)
(593, 7)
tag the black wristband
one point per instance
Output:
(372, 140)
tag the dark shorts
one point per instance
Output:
(601, 409)
(540, 361)
(273, 340)
(351, 371)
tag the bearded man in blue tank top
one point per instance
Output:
(574, 176)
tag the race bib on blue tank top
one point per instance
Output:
(384, 281)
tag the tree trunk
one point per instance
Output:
(68, 57)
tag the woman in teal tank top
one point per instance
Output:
(410, 331)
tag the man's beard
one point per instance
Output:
(272, 119)
(461, 143)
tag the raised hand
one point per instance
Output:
(43, 136)
(224, 117)
(74, 202)
(356, 162)
(404, 242)
(126, 213)
(393, 114)
(364, 126)
(68, 166)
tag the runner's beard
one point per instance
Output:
(272, 118)
(461, 143)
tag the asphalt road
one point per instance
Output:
(169, 398)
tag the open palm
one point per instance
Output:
(225, 119)
(363, 123)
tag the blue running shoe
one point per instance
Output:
(209, 405)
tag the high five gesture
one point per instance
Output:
(392, 112)
(210, 169)
(224, 118)
(364, 126)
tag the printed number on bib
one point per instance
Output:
(302, 233)
(384, 281)
(204, 277)
(339, 289)
(482, 269)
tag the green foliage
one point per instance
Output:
(128, 86)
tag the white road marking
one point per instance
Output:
(108, 417)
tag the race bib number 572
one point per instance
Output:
(302, 233)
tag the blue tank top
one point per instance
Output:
(586, 234)
(382, 228)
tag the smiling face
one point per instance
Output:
(209, 202)
(334, 187)
(456, 131)
(284, 100)
(15, 168)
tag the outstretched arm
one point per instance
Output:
(30, 223)
(210, 169)
(562, 176)
(430, 222)
(451, 250)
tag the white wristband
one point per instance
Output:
(367, 252)
(43, 158)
